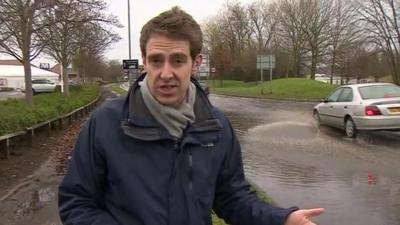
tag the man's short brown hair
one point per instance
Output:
(175, 24)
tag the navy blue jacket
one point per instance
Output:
(127, 170)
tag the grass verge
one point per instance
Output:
(116, 88)
(15, 115)
(291, 88)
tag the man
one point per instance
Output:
(164, 154)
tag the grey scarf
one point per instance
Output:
(174, 120)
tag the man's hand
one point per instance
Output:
(302, 216)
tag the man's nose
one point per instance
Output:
(166, 72)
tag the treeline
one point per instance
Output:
(344, 38)
(73, 32)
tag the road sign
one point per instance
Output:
(204, 66)
(130, 64)
(204, 69)
(45, 66)
(266, 61)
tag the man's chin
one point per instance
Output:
(172, 101)
(167, 101)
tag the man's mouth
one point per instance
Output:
(167, 88)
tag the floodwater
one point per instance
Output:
(297, 163)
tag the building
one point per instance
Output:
(72, 75)
(12, 74)
(327, 79)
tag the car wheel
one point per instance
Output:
(350, 128)
(317, 118)
(33, 92)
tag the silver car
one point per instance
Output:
(43, 85)
(371, 106)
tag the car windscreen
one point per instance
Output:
(379, 91)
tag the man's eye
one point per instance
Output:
(156, 61)
(178, 61)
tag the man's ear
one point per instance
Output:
(196, 63)
(144, 61)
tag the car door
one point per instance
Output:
(325, 110)
(341, 107)
(36, 85)
(48, 86)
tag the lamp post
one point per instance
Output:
(129, 29)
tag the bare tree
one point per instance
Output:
(237, 29)
(216, 46)
(93, 40)
(291, 35)
(20, 24)
(316, 15)
(113, 71)
(343, 32)
(380, 19)
(262, 22)
(62, 37)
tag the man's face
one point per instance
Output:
(169, 67)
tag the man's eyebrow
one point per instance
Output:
(155, 55)
(178, 54)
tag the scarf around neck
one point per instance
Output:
(173, 119)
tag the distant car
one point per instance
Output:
(205, 86)
(43, 85)
(371, 106)
(74, 82)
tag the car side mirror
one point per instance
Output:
(324, 100)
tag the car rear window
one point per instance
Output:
(379, 91)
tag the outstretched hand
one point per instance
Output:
(303, 216)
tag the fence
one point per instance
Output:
(5, 140)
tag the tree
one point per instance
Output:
(316, 15)
(291, 35)
(262, 23)
(93, 40)
(20, 23)
(113, 71)
(218, 45)
(380, 19)
(67, 20)
(343, 32)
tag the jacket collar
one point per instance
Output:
(140, 124)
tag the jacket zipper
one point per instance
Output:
(190, 171)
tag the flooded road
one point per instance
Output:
(297, 163)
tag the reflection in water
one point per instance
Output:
(297, 165)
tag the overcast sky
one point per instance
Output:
(143, 10)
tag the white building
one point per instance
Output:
(13, 75)
(327, 79)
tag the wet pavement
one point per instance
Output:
(297, 163)
(33, 199)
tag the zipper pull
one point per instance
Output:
(177, 144)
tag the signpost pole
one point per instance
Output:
(270, 79)
(262, 81)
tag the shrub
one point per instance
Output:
(15, 115)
